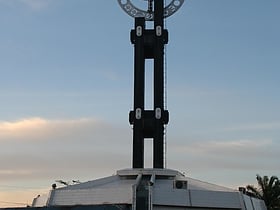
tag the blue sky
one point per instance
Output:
(66, 89)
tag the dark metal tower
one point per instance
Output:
(149, 44)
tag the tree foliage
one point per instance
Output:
(268, 190)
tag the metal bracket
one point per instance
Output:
(134, 12)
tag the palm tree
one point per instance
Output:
(268, 190)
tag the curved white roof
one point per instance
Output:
(162, 188)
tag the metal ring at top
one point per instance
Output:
(134, 12)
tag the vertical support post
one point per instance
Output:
(139, 93)
(159, 83)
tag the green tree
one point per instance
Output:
(268, 190)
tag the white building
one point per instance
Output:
(150, 189)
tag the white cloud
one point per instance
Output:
(32, 128)
(36, 4)
(43, 129)
(255, 126)
(250, 155)
(225, 147)
(39, 149)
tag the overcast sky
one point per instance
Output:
(66, 84)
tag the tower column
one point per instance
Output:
(149, 44)
(139, 93)
(158, 149)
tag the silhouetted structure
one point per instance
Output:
(149, 44)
